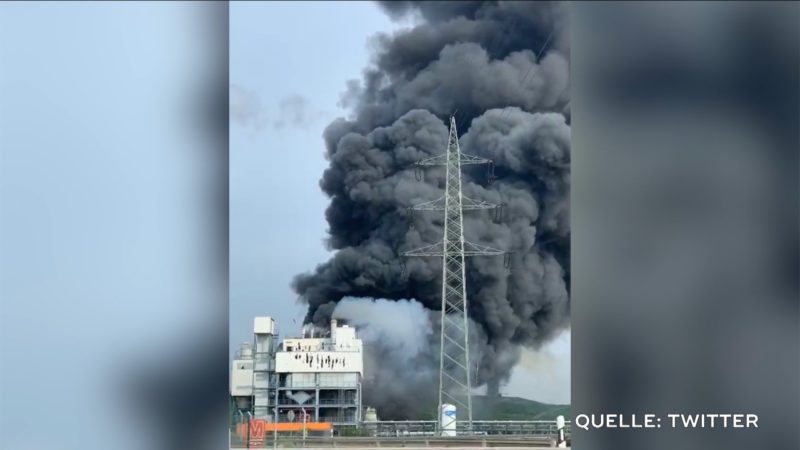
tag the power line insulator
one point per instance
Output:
(419, 175)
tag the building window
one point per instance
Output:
(338, 379)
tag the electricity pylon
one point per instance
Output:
(454, 373)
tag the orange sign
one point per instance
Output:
(259, 427)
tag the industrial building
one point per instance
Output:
(309, 388)
(304, 379)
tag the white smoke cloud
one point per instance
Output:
(544, 374)
(292, 111)
(403, 324)
(297, 111)
(399, 364)
(245, 106)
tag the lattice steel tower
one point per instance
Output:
(454, 366)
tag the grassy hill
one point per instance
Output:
(516, 408)
(511, 408)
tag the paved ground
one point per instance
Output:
(409, 443)
(408, 448)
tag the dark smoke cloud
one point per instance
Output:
(481, 59)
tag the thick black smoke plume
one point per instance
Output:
(504, 67)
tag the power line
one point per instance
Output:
(535, 64)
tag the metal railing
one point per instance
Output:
(509, 433)
(318, 384)
(338, 401)
(479, 427)
(298, 441)
(339, 419)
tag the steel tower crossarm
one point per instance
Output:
(442, 160)
(466, 205)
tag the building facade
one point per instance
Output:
(312, 379)
(253, 378)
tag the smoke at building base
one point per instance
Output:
(502, 68)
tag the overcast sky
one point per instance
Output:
(289, 62)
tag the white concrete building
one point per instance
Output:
(253, 379)
(242, 378)
(316, 378)
(321, 376)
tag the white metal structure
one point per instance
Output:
(321, 377)
(561, 439)
(340, 353)
(242, 372)
(318, 379)
(264, 343)
(454, 373)
(264, 325)
(447, 420)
